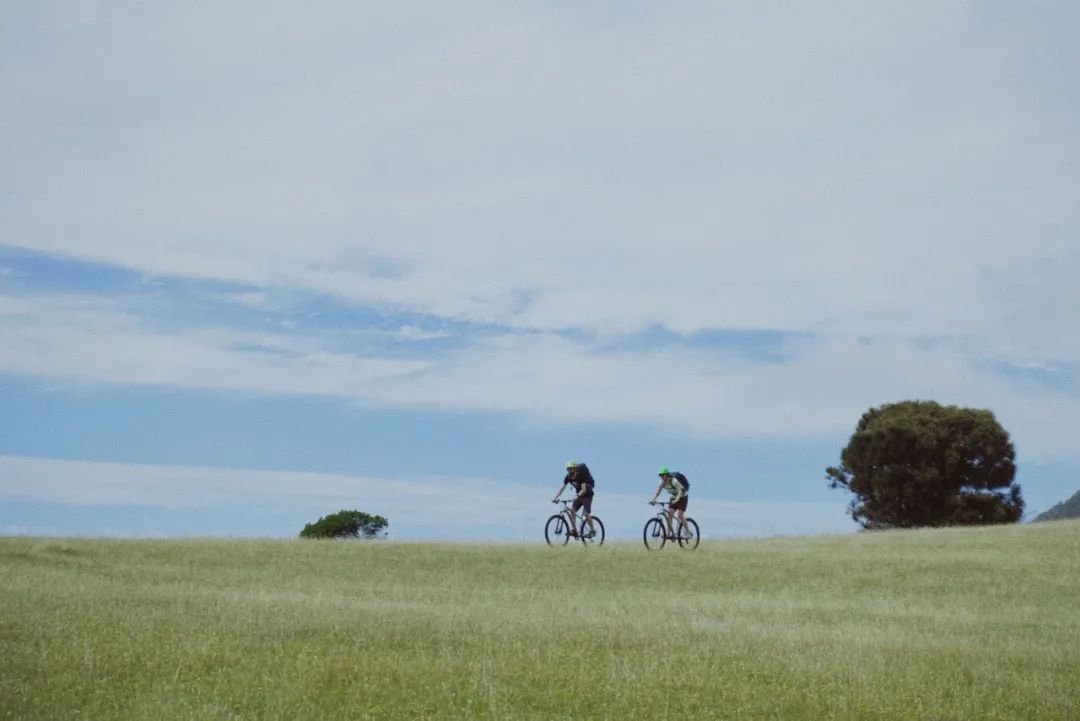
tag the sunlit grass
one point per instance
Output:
(954, 624)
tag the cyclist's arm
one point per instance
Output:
(657, 494)
(559, 494)
(678, 492)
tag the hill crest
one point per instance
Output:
(1069, 508)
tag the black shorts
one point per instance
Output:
(679, 505)
(585, 502)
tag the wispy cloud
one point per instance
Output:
(44, 336)
(429, 507)
(821, 387)
(570, 169)
(252, 299)
(550, 180)
(415, 333)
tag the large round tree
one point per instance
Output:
(919, 463)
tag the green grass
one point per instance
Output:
(950, 624)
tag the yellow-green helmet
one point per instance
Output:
(664, 471)
(570, 465)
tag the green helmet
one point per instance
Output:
(571, 464)
(664, 471)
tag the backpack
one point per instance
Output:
(682, 481)
(585, 476)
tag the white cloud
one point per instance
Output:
(415, 333)
(844, 169)
(93, 341)
(873, 176)
(251, 299)
(16, 529)
(430, 507)
(819, 390)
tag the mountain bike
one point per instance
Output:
(655, 533)
(557, 529)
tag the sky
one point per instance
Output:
(261, 262)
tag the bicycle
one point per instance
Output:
(655, 533)
(557, 529)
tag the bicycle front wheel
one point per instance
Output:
(592, 539)
(655, 535)
(689, 535)
(556, 531)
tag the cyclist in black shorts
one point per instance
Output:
(678, 489)
(581, 480)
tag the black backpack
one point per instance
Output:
(682, 481)
(584, 475)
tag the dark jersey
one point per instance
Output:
(584, 479)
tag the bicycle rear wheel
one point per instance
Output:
(556, 531)
(689, 535)
(654, 535)
(592, 540)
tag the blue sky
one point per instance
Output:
(259, 262)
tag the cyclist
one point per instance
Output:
(677, 487)
(579, 477)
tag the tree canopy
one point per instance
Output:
(918, 463)
(346, 524)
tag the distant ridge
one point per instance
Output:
(1065, 509)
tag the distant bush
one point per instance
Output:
(347, 524)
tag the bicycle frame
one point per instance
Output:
(578, 517)
(662, 514)
(661, 534)
(557, 530)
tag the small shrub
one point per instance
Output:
(347, 524)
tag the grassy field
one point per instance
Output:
(950, 624)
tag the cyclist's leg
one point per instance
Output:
(573, 514)
(668, 513)
(681, 506)
(587, 508)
